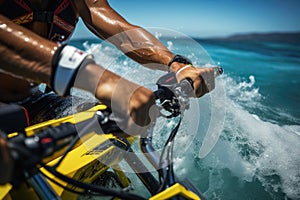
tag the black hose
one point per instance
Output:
(93, 188)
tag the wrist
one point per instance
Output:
(176, 66)
(65, 65)
(177, 62)
(183, 68)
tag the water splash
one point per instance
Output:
(252, 153)
(253, 150)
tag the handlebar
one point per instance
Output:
(172, 96)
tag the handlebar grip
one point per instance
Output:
(62, 131)
(218, 71)
(48, 140)
(168, 83)
(187, 84)
(51, 135)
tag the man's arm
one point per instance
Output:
(29, 56)
(139, 44)
(134, 41)
(24, 53)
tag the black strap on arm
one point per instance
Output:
(180, 59)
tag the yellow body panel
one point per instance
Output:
(86, 161)
(4, 190)
(79, 117)
(173, 191)
(83, 163)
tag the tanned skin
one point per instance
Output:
(135, 41)
(26, 58)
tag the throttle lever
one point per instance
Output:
(173, 95)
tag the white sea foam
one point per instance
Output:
(253, 148)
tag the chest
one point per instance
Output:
(51, 19)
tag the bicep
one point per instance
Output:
(101, 19)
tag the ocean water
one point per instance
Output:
(242, 140)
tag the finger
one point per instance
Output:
(140, 104)
(209, 79)
(199, 89)
(209, 82)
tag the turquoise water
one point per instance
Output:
(254, 110)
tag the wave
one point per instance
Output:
(255, 158)
(250, 153)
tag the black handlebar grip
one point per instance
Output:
(59, 132)
(218, 71)
(63, 131)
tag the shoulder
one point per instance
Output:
(87, 4)
(85, 8)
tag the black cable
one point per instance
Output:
(72, 144)
(75, 140)
(174, 132)
(171, 138)
(61, 185)
(89, 187)
(163, 172)
(94, 188)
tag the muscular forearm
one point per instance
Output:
(141, 46)
(24, 53)
(128, 101)
(134, 41)
(111, 89)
